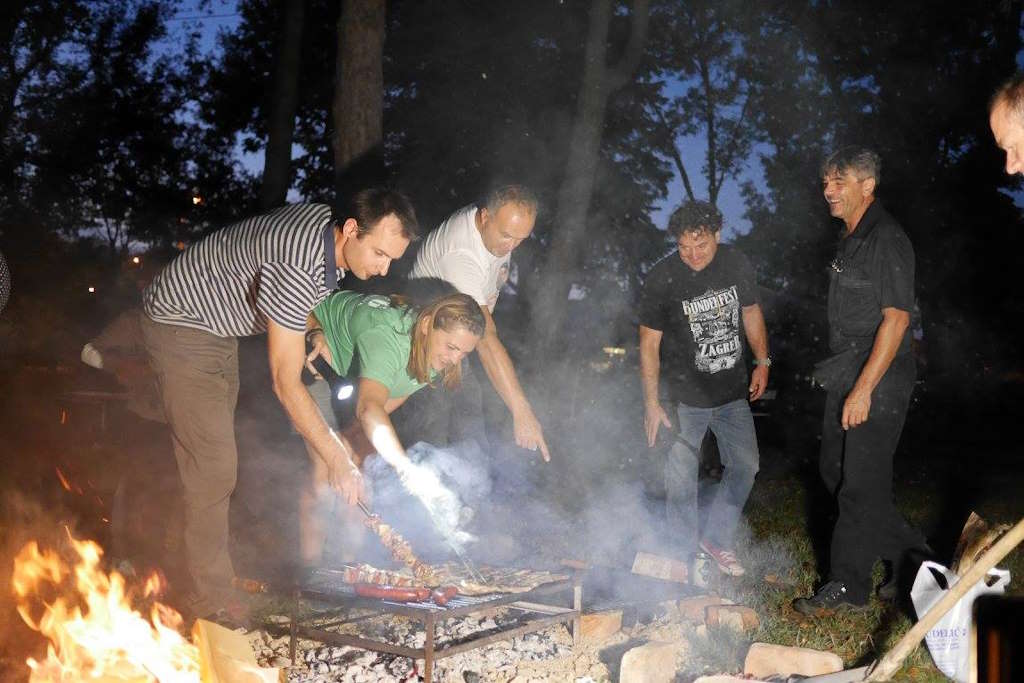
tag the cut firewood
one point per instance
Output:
(975, 539)
(227, 657)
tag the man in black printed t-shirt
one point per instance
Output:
(703, 304)
(868, 380)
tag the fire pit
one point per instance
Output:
(534, 615)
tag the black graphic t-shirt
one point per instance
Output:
(700, 317)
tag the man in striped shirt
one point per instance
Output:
(264, 273)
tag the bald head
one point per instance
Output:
(1006, 118)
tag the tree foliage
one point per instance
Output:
(97, 140)
(698, 48)
(914, 85)
(108, 131)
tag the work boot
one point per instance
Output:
(829, 598)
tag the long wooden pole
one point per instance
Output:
(893, 659)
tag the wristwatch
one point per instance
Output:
(767, 362)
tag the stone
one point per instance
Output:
(598, 627)
(649, 663)
(692, 609)
(736, 617)
(764, 660)
(721, 678)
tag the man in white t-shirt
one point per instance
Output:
(471, 250)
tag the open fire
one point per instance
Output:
(94, 621)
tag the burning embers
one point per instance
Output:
(94, 630)
(545, 655)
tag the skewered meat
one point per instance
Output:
(402, 551)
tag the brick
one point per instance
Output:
(692, 609)
(660, 567)
(649, 663)
(764, 660)
(600, 626)
(736, 617)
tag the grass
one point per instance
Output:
(719, 649)
(780, 548)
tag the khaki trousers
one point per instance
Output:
(198, 378)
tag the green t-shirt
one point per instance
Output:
(368, 337)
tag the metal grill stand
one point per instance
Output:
(535, 616)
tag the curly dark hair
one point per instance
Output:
(695, 216)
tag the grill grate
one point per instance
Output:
(325, 585)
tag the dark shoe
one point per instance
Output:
(829, 598)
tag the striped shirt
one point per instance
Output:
(233, 280)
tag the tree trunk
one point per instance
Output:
(283, 104)
(599, 81)
(359, 96)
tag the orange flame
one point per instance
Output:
(109, 640)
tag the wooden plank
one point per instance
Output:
(226, 656)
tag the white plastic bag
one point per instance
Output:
(948, 640)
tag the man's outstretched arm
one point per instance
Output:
(287, 352)
(655, 416)
(502, 374)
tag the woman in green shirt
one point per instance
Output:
(390, 347)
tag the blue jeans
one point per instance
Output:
(733, 426)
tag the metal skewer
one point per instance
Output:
(473, 571)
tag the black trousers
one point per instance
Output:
(856, 466)
(442, 417)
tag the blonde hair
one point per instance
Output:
(448, 313)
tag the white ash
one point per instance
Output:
(544, 654)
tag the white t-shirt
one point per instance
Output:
(455, 252)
